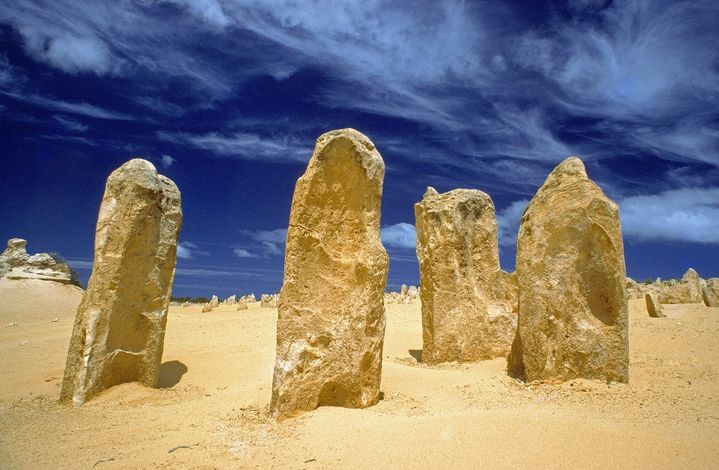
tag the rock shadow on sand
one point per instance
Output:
(171, 373)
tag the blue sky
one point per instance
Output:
(227, 97)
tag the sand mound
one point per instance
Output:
(32, 300)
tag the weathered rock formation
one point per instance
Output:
(572, 283)
(214, 302)
(686, 291)
(241, 306)
(330, 328)
(207, 307)
(464, 314)
(654, 308)
(269, 300)
(15, 263)
(710, 292)
(120, 325)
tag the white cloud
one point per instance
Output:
(243, 145)
(273, 241)
(686, 215)
(83, 109)
(242, 253)
(78, 54)
(210, 11)
(188, 250)
(167, 161)
(401, 235)
(508, 222)
(70, 123)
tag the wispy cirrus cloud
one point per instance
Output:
(243, 145)
(82, 109)
(70, 123)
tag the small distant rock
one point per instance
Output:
(12, 324)
(15, 263)
(654, 308)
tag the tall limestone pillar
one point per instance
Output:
(465, 312)
(120, 325)
(572, 283)
(330, 327)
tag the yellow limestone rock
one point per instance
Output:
(686, 291)
(120, 325)
(654, 308)
(330, 327)
(572, 283)
(466, 314)
(710, 292)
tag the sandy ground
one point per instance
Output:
(215, 389)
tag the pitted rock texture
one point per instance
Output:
(330, 328)
(120, 325)
(466, 311)
(572, 283)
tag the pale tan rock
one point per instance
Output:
(214, 302)
(231, 300)
(464, 317)
(403, 292)
(331, 322)
(120, 325)
(688, 290)
(269, 300)
(572, 283)
(654, 308)
(710, 292)
(206, 307)
(241, 306)
(16, 264)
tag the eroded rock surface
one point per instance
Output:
(572, 283)
(120, 325)
(330, 327)
(466, 299)
(15, 263)
(688, 290)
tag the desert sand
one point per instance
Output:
(215, 389)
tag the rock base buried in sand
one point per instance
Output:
(654, 308)
(330, 327)
(120, 325)
(572, 283)
(465, 313)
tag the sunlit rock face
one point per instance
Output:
(654, 308)
(15, 263)
(331, 322)
(467, 301)
(572, 283)
(120, 325)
